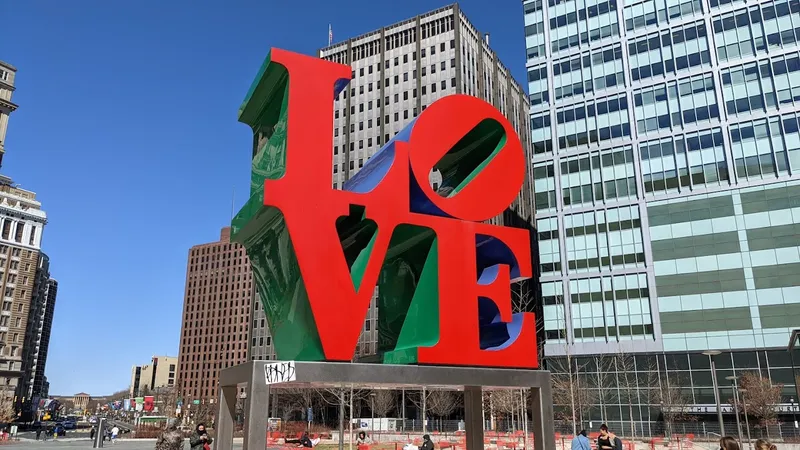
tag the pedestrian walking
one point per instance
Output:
(200, 440)
(171, 438)
(92, 432)
(114, 434)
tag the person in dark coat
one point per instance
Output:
(200, 440)
(608, 440)
(171, 438)
(427, 443)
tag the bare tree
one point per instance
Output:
(7, 413)
(92, 406)
(523, 299)
(383, 401)
(762, 398)
(628, 386)
(506, 402)
(604, 380)
(333, 397)
(119, 395)
(203, 413)
(167, 399)
(669, 392)
(571, 390)
(442, 403)
(299, 399)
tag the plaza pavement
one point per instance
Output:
(85, 443)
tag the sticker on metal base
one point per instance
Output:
(281, 372)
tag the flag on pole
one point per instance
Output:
(330, 35)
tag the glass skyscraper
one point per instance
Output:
(666, 161)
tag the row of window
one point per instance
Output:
(762, 149)
(669, 51)
(593, 122)
(654, 12)
(752, 30)
(676, 103)
(589, 72)
(598, 176)
(676, 163)
(747, 31)
(766, 148)
(761, 85)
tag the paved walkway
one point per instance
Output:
(72, 443)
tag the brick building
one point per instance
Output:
(216, 312)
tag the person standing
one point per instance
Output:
(200, 440)
(581, 442)
(427, 443)
(171, 438)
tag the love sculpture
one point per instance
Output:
(318, 253)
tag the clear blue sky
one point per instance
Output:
(127, 132)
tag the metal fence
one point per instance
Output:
(641, 430)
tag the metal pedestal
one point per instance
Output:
(260, 375)
(99, 437)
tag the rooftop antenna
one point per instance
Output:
(233, 201)
(330, 35)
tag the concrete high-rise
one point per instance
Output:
(665, 137)
(160, 373)
(7, 75)
(37, 332)
(398, 70)
(216, 312)
(21, 225)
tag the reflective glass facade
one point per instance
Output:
(666, 164)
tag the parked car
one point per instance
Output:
(70, 424)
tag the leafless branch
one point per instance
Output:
(442, 403)
(6, 409)
(761, 397)
(383, 401)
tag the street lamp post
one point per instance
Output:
(732, 378)
(746, 420)
(711, 354)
